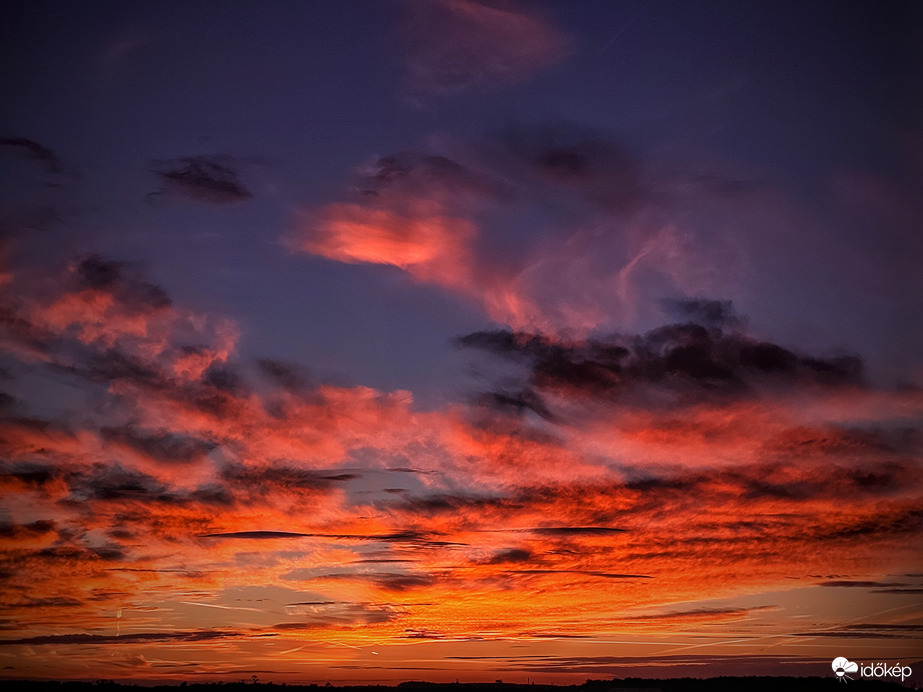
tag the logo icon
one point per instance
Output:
(841, 666)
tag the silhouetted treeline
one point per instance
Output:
(719, 684)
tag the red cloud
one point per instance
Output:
(420, 239)
(691, 462)
(604, 242)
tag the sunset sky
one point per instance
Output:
(454, 339)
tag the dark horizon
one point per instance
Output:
(629, 684)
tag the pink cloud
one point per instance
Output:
(607, 239)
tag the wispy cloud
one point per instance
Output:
(210, 179)
(603, 238)
(456, 45)
(34, 151)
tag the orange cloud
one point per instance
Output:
(606, 241)
(422, 240)
(598, 478)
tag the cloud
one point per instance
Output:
(646, 466)
(568, 160)
(909, 592)
(123, 281)
(700, 615)
(258, 535)
(114, 482)
(708, 313)
(511, 555)
(204, 178)
(419, 238)
(280, 478)
(290, 376)
(127, 638)
(34, 151)
(394, 582)
(338, 614)
(160, 445)
(411, 173)
(600, 233)
(28, 531)
(456, 45)
(685, 364)
(575, 530)
(602, 575)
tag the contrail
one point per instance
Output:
(223, 607)
(620, 31)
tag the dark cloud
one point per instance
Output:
(768, 499)
(512, 555)
(113, 364)
(403, 582)
(868, 626)
(842, 441)
(338, 613)
(574, 530)
(429, 175)
(515, 402)
(116, 482)
(691, 362)
(259, 535)
(20, 330)
(423, 634)
(391, 581)
(160, 445)
(33, 528)
(699, 613)
(783, 481)
(587, 573)
(224, 378)
(205, 179)
(910, 592)
(128, 638)
(407, 469)
(75, 554)
(710, 313)
(410, 537)
(445, 504)
(289, 376)
(382, 560)
(281, 477)
(589, 164)
(860, 584)
(94, 339)
(122, 280)
(50, 602)
(31, 474)
(34, 151)
(896, 522)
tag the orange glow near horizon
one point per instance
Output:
(340, 533)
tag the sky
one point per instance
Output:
(442, 340)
